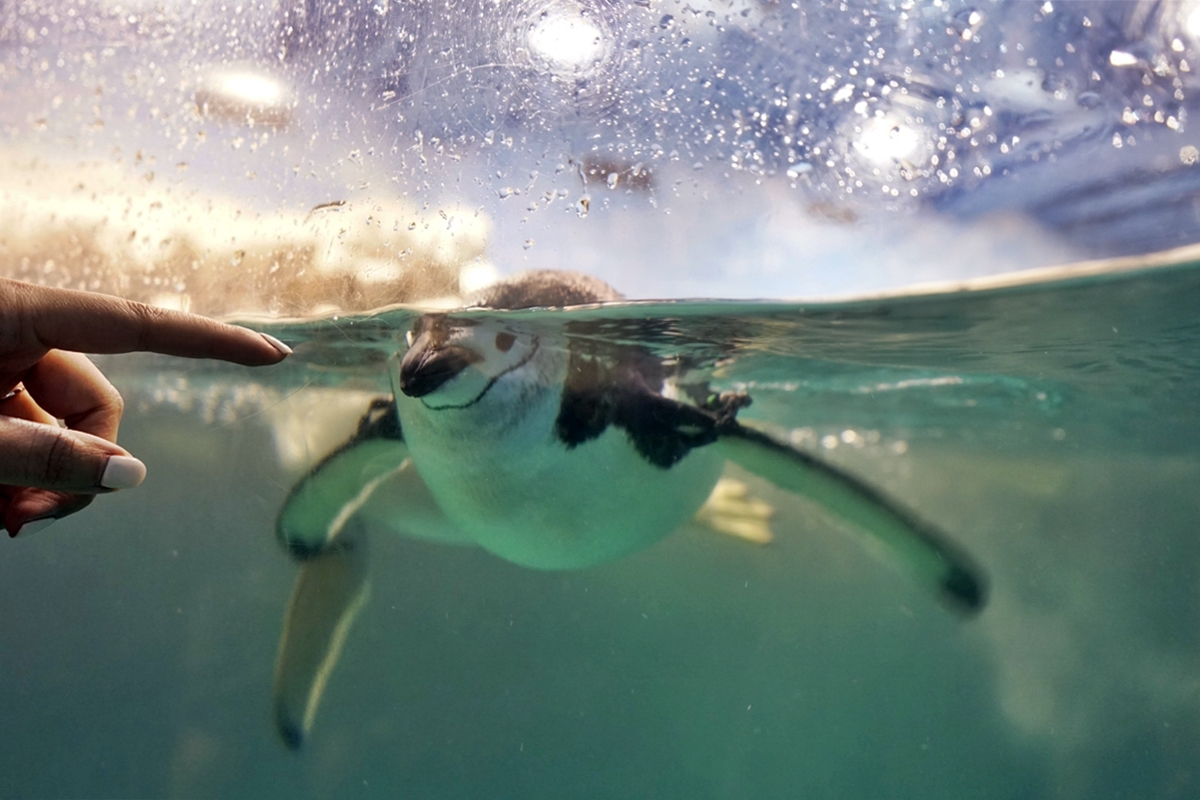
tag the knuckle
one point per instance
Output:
(109, 400)
(55, 461)
(148, 319)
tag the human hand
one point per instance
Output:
(48, 471)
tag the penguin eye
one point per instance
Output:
(504, 341)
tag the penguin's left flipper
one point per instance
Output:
(913, 546)
(664, 430)
(319, 525)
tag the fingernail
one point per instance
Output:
(123, 472)
(278, 345)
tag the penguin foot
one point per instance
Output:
(733, 511)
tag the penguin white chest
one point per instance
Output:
(521, 493)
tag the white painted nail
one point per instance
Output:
(123, 472)
(278, 345)
(33, 526)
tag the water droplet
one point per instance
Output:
(528, 243)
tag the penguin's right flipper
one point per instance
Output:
(887, 529)
(330, 590)
(318, 525)
(324, 500)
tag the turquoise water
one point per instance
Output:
(1051, 429)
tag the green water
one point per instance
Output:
(1052, 430)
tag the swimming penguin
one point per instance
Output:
(549, 453)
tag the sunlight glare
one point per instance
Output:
(567, 39)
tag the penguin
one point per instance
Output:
(551, 452)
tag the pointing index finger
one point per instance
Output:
(93, 323)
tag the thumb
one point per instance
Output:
(45, 456)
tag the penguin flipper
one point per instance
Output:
(329, 592)
(319, 526)
(918, 549)
(324, 500)
(404, 505)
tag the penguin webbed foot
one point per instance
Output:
(731, 510)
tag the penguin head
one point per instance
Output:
(455, 363)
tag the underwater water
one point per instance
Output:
(1050, 428)
(305, 158)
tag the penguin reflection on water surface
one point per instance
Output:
(550, 454)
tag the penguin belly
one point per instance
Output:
(532, 501)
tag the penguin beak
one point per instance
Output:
(426, 366)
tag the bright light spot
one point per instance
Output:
(476, 275)
(249, 89)
(245, 94)
(1189, 155)
(1119, 58)
(1193, 22)
(567, 39)
(796, 170)
(885, 140)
